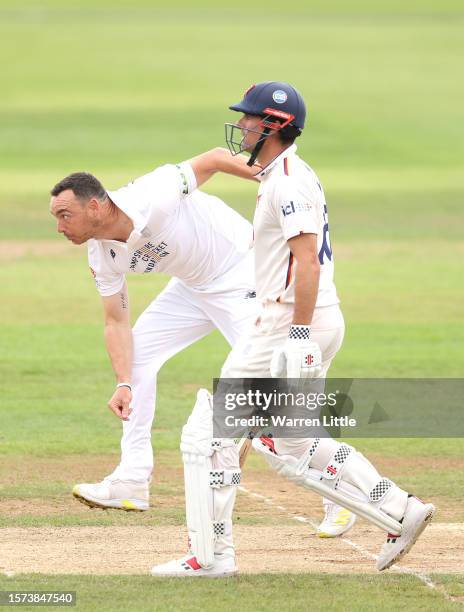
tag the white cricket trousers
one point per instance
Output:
(178, 317)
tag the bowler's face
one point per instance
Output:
(72, 217)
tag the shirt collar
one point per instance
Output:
(136, 235)
(271, 165)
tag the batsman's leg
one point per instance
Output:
(328, 330)
(251, 357)
(211, 474)
(344, 476)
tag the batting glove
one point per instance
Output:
(299, 357)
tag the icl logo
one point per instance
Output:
(288, 210)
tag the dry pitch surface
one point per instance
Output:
(279, 534)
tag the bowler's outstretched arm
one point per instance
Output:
(220, 160)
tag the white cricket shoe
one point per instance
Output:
(188, 567)
(119, 494)
(416, 518)
(337, 521)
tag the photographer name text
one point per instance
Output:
(286, 421)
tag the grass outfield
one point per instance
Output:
(257, 593)
(119, 87)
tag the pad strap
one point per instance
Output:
(218, 443)
(378, 492)
(224, 478)
(332, 469)
(305, 461)
(222, 528)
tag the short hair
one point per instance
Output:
(288, 134)
(83, 184)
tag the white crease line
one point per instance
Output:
(397, 568)
(360, 549)
(299, 518)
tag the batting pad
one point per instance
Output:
(331, 484)
(211, 474)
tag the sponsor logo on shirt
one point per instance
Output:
(149, 254)
(288, 209)
(113, 254)
(294, 207)
(184, 181)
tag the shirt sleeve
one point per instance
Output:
(107, 282)
(159, 191)
(168, 185)
(298, 213)
(187, 178)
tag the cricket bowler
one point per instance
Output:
(160, 223)
(297, 334)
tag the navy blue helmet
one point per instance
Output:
(278, 103)
(273, 97)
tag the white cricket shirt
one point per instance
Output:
(290, 202)
(178, 230)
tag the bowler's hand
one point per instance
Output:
(120, 403)
(299, 357)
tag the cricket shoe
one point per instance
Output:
(120, 494)
(188, 567)
(416, 518)
(337, 521)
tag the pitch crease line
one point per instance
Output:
(397, 568)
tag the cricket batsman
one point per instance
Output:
(296, 335)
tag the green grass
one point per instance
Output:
(59, 376)
(119, 87)
(325, 592)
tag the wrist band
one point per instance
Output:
(299, 332)
(124, 384)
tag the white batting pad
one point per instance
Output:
(335, 486)
(211, 473)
